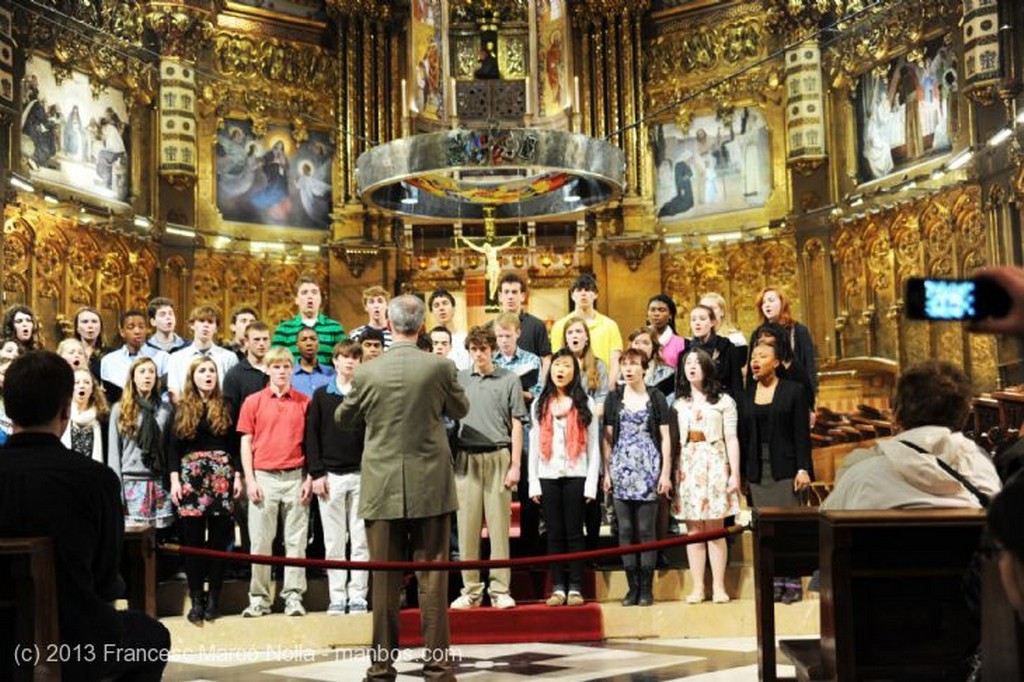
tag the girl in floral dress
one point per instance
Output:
(138, 448)
(206, 479)
(637, 460)
(89, 411)
(709, 467)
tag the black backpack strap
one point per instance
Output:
(983, 499)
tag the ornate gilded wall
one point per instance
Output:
(736, 271)
(55, 267)
(944, 235)
(229, 281)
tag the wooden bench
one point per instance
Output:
(28, 605)
(785, 544)
(892, 605)
(138, 566)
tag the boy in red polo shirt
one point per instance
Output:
(272, 424)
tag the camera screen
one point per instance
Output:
(948, 300)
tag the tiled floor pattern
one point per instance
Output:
(658, 660)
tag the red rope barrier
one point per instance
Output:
(451, 565)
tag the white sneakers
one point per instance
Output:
(498, 601)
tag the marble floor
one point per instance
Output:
(648, 660)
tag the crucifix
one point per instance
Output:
(491, 252)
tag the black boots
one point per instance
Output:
(646, 597)
(212, 610)
(633, 578)
(195, 614)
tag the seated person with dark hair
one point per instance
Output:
(929, 463)
(47, 490)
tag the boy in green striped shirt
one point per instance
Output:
(309, 300)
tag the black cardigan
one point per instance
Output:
(803, 351)
(789, 437)
(727, 370)
(658, 414)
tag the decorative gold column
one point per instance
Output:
(805, 116)
(184, 29)
(982, 49)
(370, 73)
(608, 61)
(6, 65)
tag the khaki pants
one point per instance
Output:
(482, 494)
(282, 492)
(427, 540)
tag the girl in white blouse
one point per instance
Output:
(565, 459)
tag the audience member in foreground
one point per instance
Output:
(1007, 532)
(46, 490)
(929, 463)
(407, 484)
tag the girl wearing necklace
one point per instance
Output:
(206, 480)
(564, 463)
(659, 374)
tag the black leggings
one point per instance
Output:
(194, 534)
(637, 523)
(563, 503)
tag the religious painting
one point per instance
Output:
(427, 50)
(270, 179)
(717, 165)
(554, 95)
(72, 137)
(906, 110)
(313, 10)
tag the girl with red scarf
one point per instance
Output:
(565, 460)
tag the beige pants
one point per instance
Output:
(282, 492)
(482, 494)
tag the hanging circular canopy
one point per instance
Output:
(517, 173)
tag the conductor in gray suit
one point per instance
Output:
(407, 489)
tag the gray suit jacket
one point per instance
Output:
(402, 397)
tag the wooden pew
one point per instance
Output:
(892, 605)
(1011, 408)
(138, 566)
(28, 606)
(785, 544)
(986, 414)
(1002, 636)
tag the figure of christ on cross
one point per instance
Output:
(493, 270)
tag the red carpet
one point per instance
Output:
(528, 623)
